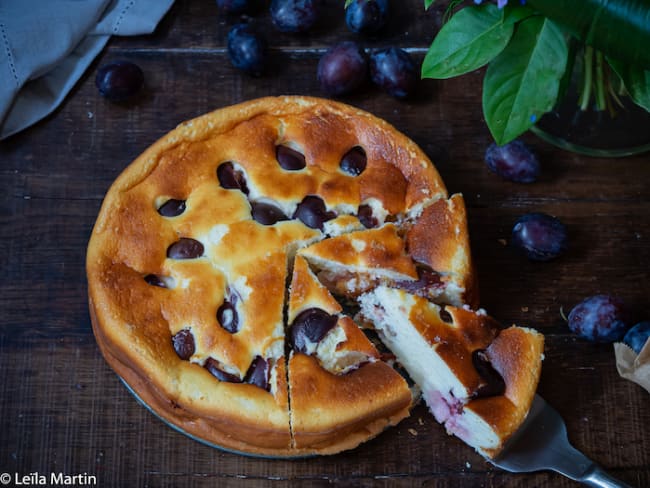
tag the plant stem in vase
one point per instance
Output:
(595, 116)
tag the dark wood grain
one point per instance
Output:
(63, 410)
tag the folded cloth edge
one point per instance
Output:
(38, 98)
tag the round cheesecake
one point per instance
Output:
(221, 256)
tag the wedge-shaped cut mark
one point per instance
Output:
(317, 326)
(307, 292)
(477, 379)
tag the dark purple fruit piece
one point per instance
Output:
(366, 217)
(258, 373)
(494, 384)
(539, 236)
(228, 317)
(213, 367)
(267, 213)
(427, 278)
(247, 49)
(367, 16)
(354, 161)
(231, 178)
(172, 208)
(309, 327)
(599, 318)
(289, 159)
(119, 81)
(637, 336)
(445, 316)
(343, 68)
(312, 212)
(513, 161)
(155, 280)
(294, 15)
(183, 342)
(394, 71)
(185, 248)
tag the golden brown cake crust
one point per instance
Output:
(142, 297)
(516, 354)
(321, 400)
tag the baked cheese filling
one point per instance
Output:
(462, 360)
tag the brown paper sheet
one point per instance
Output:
(632, 366)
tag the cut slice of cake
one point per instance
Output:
(439, 239)
(353, 263)
(478, 379)
(341, 394)
(427, 254)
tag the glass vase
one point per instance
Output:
(595, 116)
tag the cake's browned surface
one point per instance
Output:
(516, 354)
(357, 406)
(439, 239)
(455, 340)
(306, 291)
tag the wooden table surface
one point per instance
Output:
(62, 409)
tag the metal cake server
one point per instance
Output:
(542, 443)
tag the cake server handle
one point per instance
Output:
(598, 478)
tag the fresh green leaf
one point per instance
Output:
(513, 13)
(347, 3)
(620, 29)
(521, 83)
(427, 3)
(471, 38)
(636, 81)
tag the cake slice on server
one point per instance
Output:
(427, 254)
(477, 379)
(341, 394)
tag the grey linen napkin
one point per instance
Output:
(46, 45)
